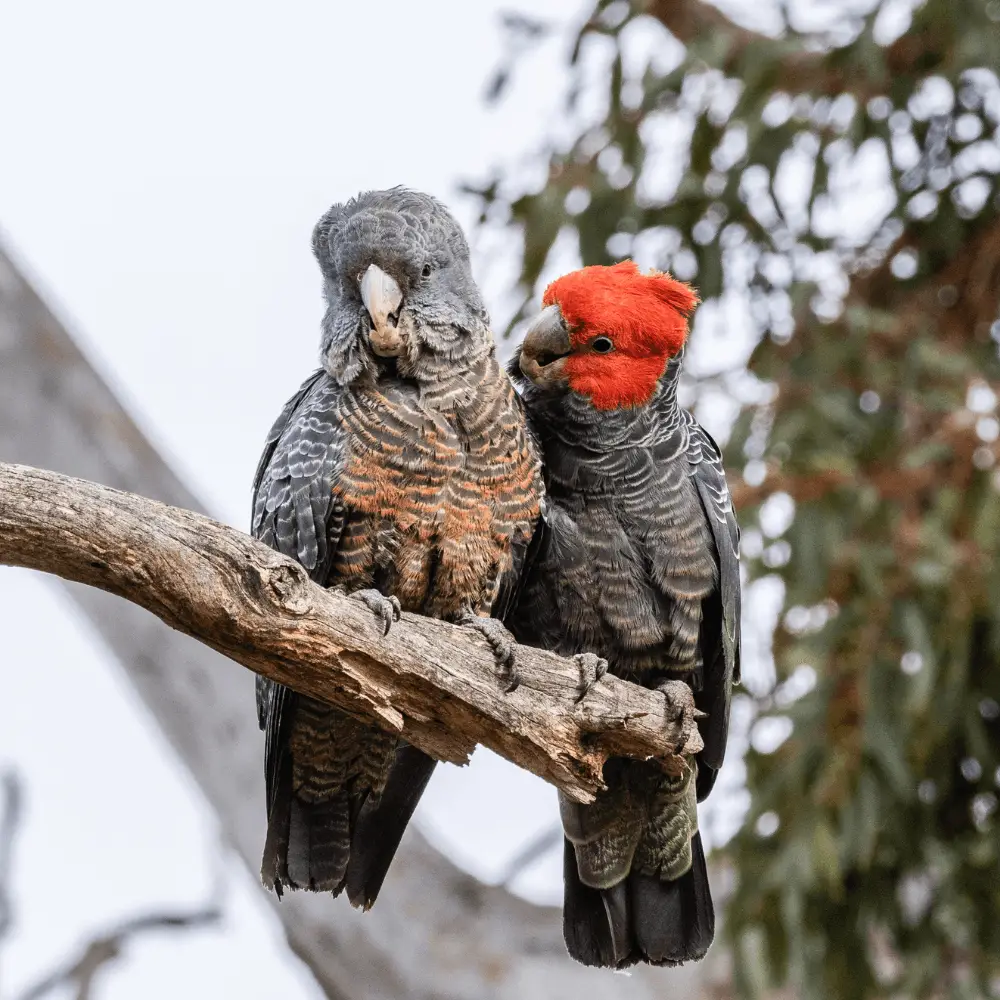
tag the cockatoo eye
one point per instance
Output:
(426, 272)
(602, 345)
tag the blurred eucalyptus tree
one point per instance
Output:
(833, 187)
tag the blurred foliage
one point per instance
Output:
(834, 187)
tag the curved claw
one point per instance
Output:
(681, 699)
(592, 669)
(504, 646)
(386, 609)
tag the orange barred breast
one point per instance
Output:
(437, 499)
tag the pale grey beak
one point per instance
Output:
(383, 299)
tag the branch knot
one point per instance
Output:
(289, 583)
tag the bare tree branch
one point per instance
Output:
(432, 683)
(105, 949)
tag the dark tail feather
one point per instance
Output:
(673, 922)
(307, 844)
(380, 827)
(643, 919)
(586, 924)
(318, 844)
(705, 781)
(274, 864)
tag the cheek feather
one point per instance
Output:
(614, 381)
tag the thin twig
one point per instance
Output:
(106, 948)
(530, 853)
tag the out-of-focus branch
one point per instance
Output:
(803, 70)
(10, 822)
(81, 972)
(889, 484)
(536, 848)
(974, 270)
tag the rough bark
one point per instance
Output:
(436, 932)
(434, 684)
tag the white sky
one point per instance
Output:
(161, 168)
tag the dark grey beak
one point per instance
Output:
(545, 347)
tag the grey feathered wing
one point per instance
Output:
(334, 840)
(673, 921)
(720, 634)
(294, 512)
(646, 917)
